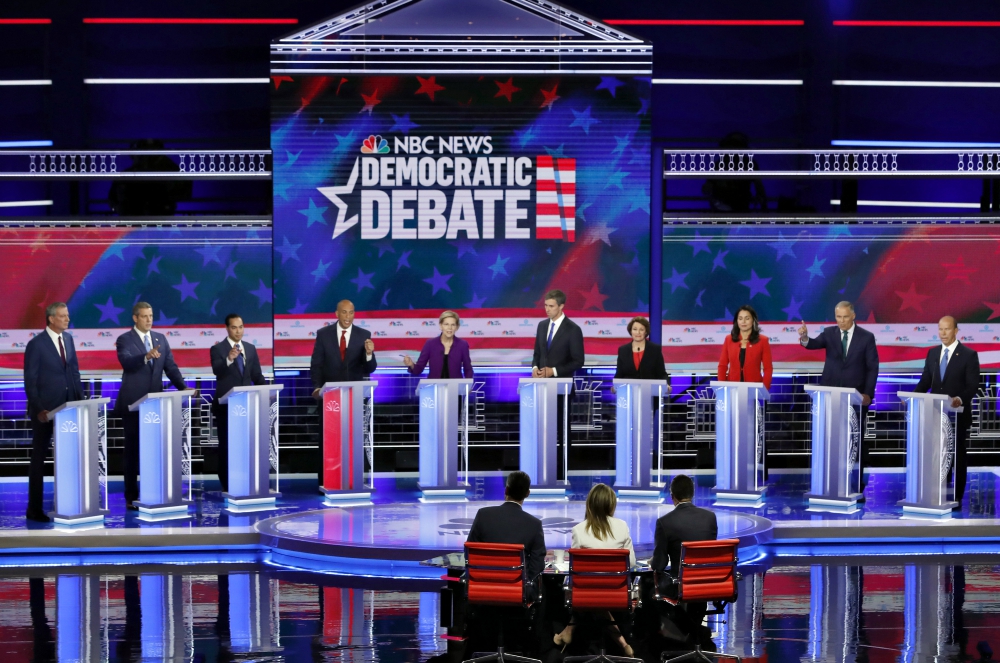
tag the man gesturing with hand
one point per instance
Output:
(851, 361)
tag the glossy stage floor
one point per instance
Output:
(395, 534)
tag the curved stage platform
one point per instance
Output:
(393, 539)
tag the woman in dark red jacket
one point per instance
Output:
(746, 355)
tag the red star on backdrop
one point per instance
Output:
(911, 299)
(278, 80)
(594, 298)
(371, 101)
(506, 89)
(550, 97)
(958, 271)
(994, 310)
(428, 87)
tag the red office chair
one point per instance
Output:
(496, 575)
(707, 575)
(599, 582)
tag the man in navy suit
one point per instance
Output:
(145, 356)
(235, 364)
(343, 352)
(953, 369)
(851, 361)
(558, 353)
(51, 378)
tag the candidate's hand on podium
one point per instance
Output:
(536, 372)
(316, 392)
(369, 347)
(614, 389)
(153, 354)
(235, 352)
(956, 402)
(43, 416)
(866, 400)
(547, 372)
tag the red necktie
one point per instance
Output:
(62, 350)
(343, 345)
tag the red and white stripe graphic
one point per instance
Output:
(555, 210)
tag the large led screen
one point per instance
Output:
(192, 277)
(901, 276)
(410, 195)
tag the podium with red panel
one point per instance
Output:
(346, 427)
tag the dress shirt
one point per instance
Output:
(553, 329)
(55, 340)
(840, 335)
(233, 344)
(347, 338)
(143, 335)
(950, 348)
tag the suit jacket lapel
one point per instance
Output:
(559, 332)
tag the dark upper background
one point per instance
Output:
(74, 115)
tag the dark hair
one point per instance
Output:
(640, 320)
(231, 316)
(557, 295)
(139, 306)
(754, 330)
(682, 488)
(518, 486)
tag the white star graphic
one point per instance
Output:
(334, 193)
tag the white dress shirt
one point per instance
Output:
(553, 329)
(620, 539)
(347, 338)
(144, 335)
(951, 353)
(233, 344)
(55, 340)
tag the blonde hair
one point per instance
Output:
(601, 503)
(450, 314)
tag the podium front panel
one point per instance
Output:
(344, 435)
(739, 439)
(439, 410)
(634, 430)
(538, 426)
(161, 428)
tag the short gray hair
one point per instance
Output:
(140, 306)
(450, 314)
(845, 304)
(52, 308)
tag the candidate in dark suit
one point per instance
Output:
(235, 364)
(851, 361)
(640, 358)
(145, 357)
(953, 369)
(51, 378)
(343, 352)
(447, 354)
(508, 523)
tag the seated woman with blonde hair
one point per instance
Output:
(600, 529)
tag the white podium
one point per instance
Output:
(439, 417)
(739, 440)
(79, 428)
(538, 434)
(836, 446)
(347, 433)
(253, 444)
(634, 436)
(164, 429)
(930, 453)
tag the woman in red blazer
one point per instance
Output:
(745, 352)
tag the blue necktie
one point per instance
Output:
(844, 342)
(239, 362)
(148, 348)
(944, 363)
(552, 329)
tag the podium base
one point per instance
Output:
(157, 512)
(70, 521)
(736, 498)
(242, 504)
(547, 494)
(944, 509)
(346, 497)
(443, 493)
(647, 495)
(833, 500)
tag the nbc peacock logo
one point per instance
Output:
(151, 418)
(69, 427)
(375, 145)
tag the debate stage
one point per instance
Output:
(395, 534)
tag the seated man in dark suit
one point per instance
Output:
(508, 523)
(686, 522)
(851, 361)
(953, 369)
